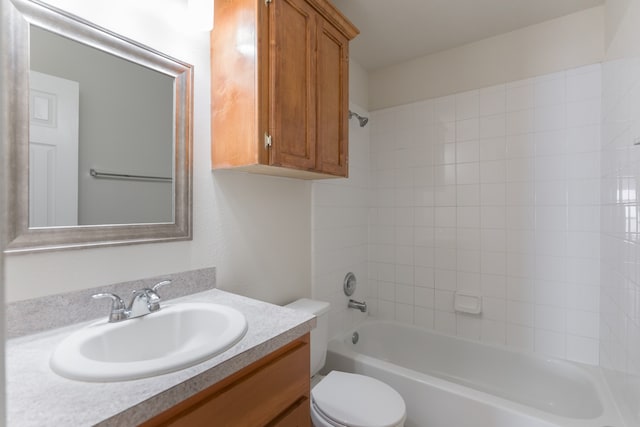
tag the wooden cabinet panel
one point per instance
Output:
(298, 415)
(280, 69)
(273, 391)
(291, 73)
(332, 82)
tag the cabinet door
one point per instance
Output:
(332, 87)
(292, 65)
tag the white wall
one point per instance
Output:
(358, 85)
(339, 220)
(620, 292)
(340, 210)
(254, 229)
(555, 45)
(493, 191)
(3, 141)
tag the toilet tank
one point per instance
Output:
(319, 335)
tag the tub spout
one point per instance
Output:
(362, 306)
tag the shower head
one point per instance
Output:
(362, 120)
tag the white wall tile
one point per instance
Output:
(550, 343)
(519, 96)
(467, 105)
(552, 168)
(493, 240)
(445, 280)
(493, 285)
(493, 148)
(444, 300)
(521, 194)
(468, 326)
(468, 129)
(467, 173)
(521, 241)
(497, 191)
(583, 323)
(553, 193)
(519, 122)
(404, 313)
(444, 109)
(520, 313)
(520, 145)
(550, 118)
(549, 90)
(445, 322)
(582, 349)
(493, 171)
(492, 126)
(492, 217)
(468, 238)
(583, 113)
(468, 195)
(583, 139)
(581, 86)
(551, 142)
(493, 193)
(520, 169)
(520, 337)
(424, 317)
(494, 263)
(468, 217)
(492, 100)
(468, 151)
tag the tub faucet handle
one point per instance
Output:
(362, 306)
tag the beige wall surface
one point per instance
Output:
(3, 140)
(254, 229)
(555, 45)
(614, 12)
(358, 84)
(623, 29)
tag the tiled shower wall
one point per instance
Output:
(339, 232)
(620, 322)
(494, 191)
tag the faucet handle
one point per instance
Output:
(117, 306)
(159, 285)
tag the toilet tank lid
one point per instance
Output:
(310, 306)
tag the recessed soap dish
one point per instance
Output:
(467, 302)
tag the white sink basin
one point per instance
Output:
(173, 338)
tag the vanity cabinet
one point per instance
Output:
(280, 87)
(274, 391)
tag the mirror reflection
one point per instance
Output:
(101, 145)
(101, 135)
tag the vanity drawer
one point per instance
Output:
(273, 391)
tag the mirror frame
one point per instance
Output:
(20, 237)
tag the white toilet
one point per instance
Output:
(341, 399)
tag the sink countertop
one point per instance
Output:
(37, 397)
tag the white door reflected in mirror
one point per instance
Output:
(53, 151)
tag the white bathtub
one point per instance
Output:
(452, 382)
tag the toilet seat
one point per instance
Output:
(354, 400)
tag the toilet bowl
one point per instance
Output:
(342, 399)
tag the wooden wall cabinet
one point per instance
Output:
(274, 391)
(280, 87)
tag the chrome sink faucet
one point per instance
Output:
(143, 302)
